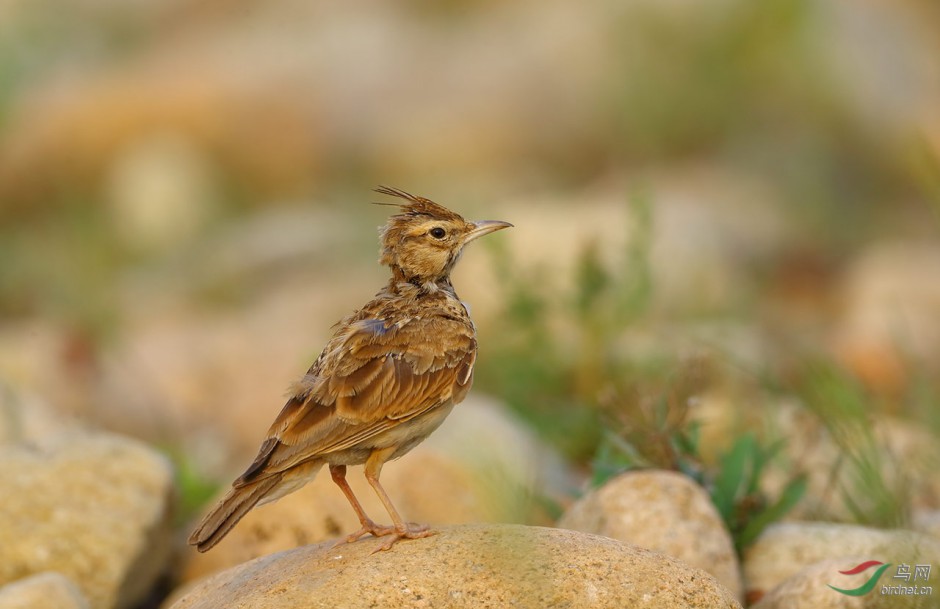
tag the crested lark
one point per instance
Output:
(390, 374)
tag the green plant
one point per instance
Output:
(553, 376)
(736, 490)
(872, 485)
(195, 488)
(649, 425)
(600, 405)
(657, 432)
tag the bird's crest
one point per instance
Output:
(414, 205)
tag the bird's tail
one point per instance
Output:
(230, 509)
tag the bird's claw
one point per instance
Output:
(407, 531)
(394, 533)
(368, 528)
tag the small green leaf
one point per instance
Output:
(790, 496)
(730, 478)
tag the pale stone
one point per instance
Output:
(464, 566)
(26, 418)
(161, 191)
(927, 521)
(95, 508)
(890, 304)
(664, 511)
(784, 549)
(809, 587)
(43, 591)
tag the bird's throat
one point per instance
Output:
(424, 285)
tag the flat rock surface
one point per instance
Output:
(464, 566)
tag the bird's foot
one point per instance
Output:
(394, 533)
(405, 531)
(368, 528)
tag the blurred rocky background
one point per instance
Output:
(725, 261)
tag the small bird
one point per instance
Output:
(387, 378)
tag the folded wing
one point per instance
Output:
(367, 381)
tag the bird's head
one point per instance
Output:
(425, 240)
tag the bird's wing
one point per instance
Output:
(370, 378)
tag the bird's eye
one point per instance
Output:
(438, 233)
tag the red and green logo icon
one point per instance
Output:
(872, 581)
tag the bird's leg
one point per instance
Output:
(338, 473)
(401, 529)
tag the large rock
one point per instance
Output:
(94, 508)
(663, 511)
(785, 549)
(465, 566)
(43, 591)
(482, 465)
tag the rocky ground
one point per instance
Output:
(184, 213)
(89, 516)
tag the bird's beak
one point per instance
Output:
(485, 227)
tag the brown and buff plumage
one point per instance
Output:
(388, 377)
